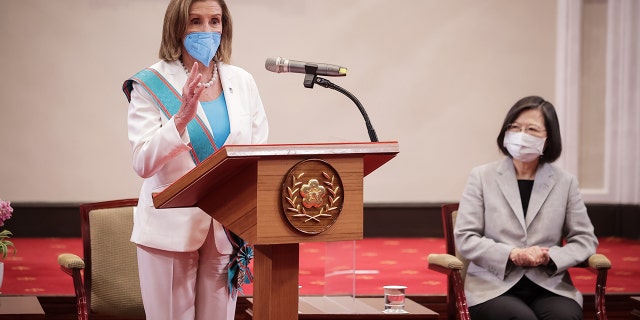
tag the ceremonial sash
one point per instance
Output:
(168, 101)
(202, 145)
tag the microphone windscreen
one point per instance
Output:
(272, 64)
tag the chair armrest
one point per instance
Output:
(445, 260)
(452, 267)
(444, 263)
(596, 262)
(600, 265)
(599, 261)
(70, 261)
(73, 265)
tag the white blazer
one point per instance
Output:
(161, 156)
(491, 223)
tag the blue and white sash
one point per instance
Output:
(168, 100)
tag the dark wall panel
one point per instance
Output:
(380, 220)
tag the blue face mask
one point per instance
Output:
(202, 46)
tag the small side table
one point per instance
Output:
(635, 302)
(348, 308)
(20, 307)
(344, 307)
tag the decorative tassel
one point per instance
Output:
(239, 272)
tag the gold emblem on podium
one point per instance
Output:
(312, 196)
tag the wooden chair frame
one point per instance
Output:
(80, 268)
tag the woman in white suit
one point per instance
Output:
(181, 110)
(522, 223)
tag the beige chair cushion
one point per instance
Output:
(114, 263)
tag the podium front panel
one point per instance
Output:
(254, 196)
(273, 226)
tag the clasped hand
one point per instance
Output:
(190, 95)
(530, 257)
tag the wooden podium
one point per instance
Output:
(254, 190)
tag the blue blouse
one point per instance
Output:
(218, 115)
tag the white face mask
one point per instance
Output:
(522, 146)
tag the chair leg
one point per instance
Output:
(81, 297)
(461, 299)
(601, 312)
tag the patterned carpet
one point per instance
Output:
(325, 268)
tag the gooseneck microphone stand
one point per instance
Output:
(311, 78)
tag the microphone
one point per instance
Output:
(279, 65)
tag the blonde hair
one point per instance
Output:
(175, 25)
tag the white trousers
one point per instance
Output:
(185, 285)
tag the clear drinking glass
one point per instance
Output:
(394, 299)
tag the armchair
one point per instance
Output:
(106, 281)
(454, 266)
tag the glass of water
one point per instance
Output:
(394, 299)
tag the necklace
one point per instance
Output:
(214, 75)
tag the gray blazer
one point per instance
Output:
(491, 223)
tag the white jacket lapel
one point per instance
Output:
(234, 105)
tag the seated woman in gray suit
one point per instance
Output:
(522, 223)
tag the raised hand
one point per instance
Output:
(190, 95)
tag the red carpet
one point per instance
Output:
(34, 269)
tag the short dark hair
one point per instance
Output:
(553, 145)
(175, 25)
